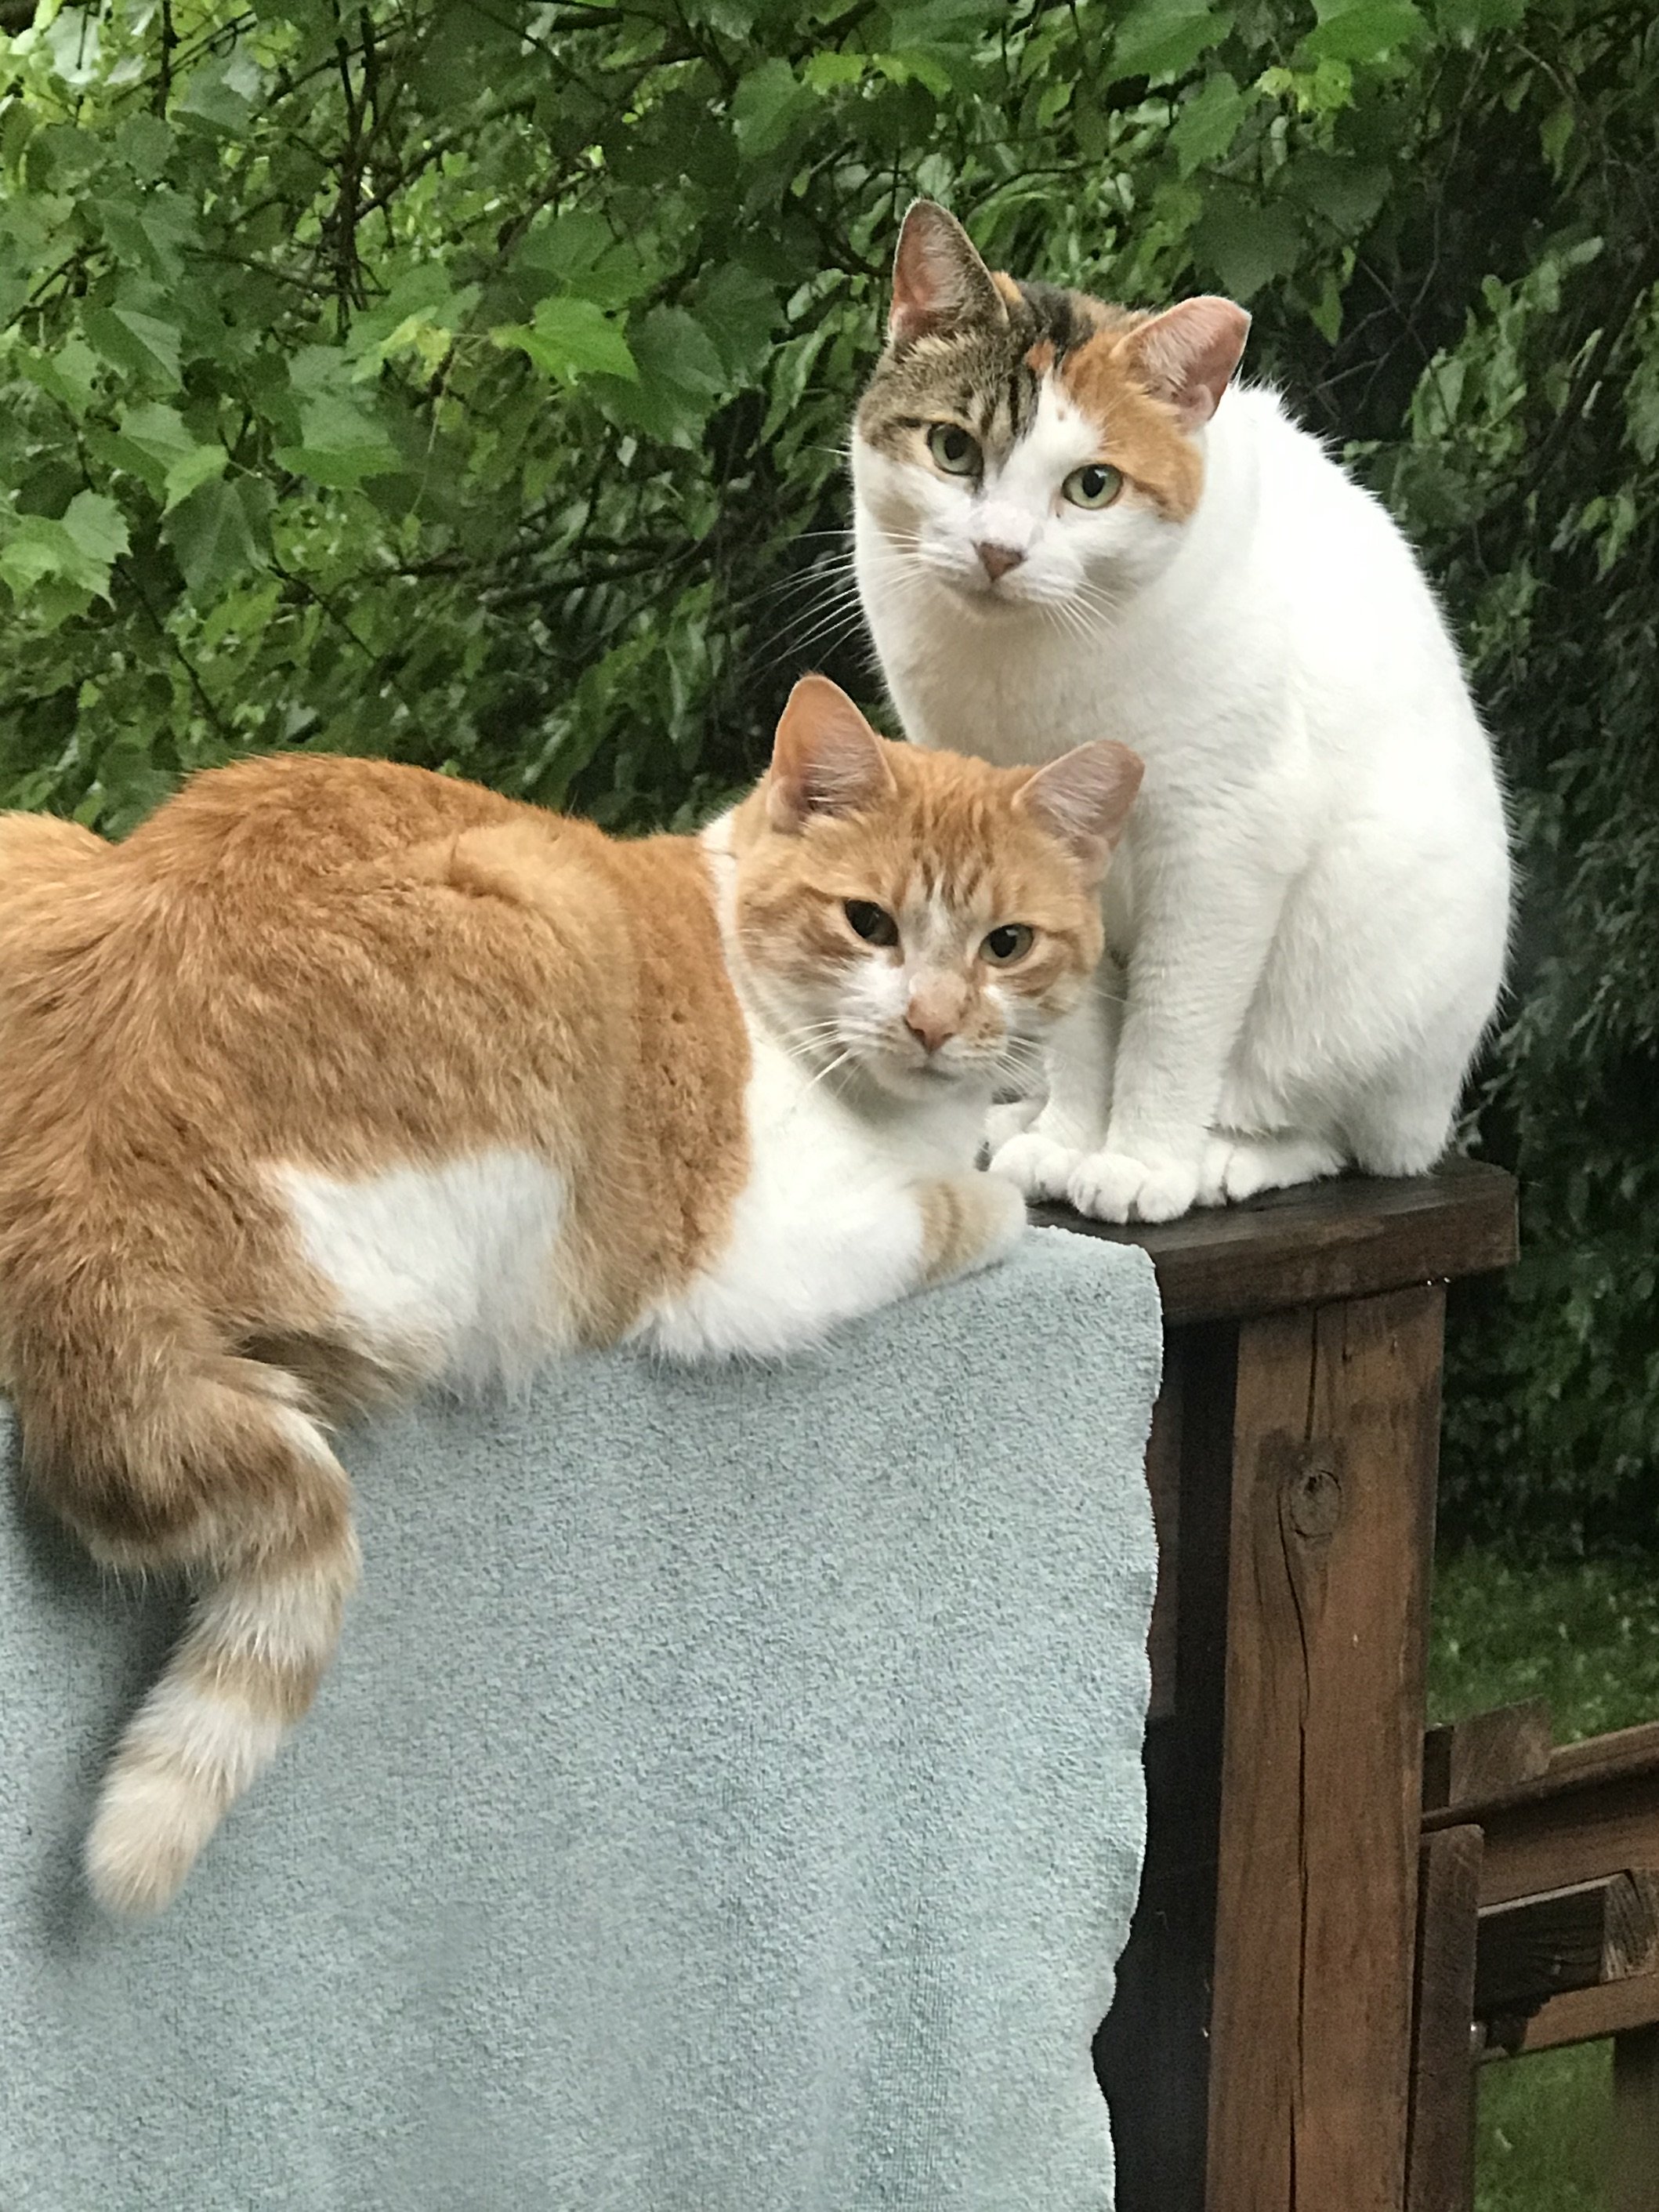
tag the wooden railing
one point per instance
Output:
(1539, 1927)
(1259, 2056)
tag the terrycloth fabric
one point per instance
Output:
(727, 1799)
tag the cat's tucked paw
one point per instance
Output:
(1005, 1214)
(1036, 1164)
(1111, 1186)
(1004, 1123)
(1237, 1168)
(968, 1222)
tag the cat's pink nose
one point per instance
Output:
(998, 560)
(930, 1031)
(934, 1013)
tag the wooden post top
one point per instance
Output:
(1324, 1241)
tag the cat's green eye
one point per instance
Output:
(870, 922)
(954, 450)
(1005, 945)
(1093, 485)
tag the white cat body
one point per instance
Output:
(458, 1273)
(1311, 905)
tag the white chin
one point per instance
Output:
(905, 1079)
(990, 599)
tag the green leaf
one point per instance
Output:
(766, 107)
(340, 444)
(582, 253)
(1207, 123)
(143, 142)
(1163, 38)
(571, 338)
(97, 528)
(940, 71)
(1345, 193)
(1363, 30)
(198, 467)
(1325, 313)
(217, 532)
(828, 71)
(78, 551)
(1555, 136)
(942, 23)
(142, 344)
(682, 378)
(67, 373)
(1246, 243)
(1465, 21)
(738, 309)
(420, 313)
(154, 444)
(219, 95)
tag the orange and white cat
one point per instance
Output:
(339, 1078)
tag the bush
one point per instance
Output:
(468, 381)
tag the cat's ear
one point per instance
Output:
(938, 280)
(1084, 798)
(826, 759)
(1188, 355)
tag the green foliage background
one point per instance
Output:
(468, 381)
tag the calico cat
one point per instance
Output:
(1066, 528)
(339, 1079)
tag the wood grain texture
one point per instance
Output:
(1626, 1756)
(1587, 2015)
(1336, 1430)
(1485, 1753)
(1579, 1835)
(1633, 2166)
(1350, 1239)
(1440, 2148)
(1536, 1948)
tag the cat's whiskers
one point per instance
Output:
(840, 617)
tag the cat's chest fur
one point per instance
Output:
(1006, 688)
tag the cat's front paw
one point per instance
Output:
(1036, 1164)
(968, 1222)
(1236, 1167)
(1111, 1186)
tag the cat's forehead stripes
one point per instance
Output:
(989, 374)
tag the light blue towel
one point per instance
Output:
(727, 1799)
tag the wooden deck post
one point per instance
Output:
(1440, 2142)
(1258, 2058)
(1633, 2180)
(1335, 1440)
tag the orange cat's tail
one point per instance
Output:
(280, 1560)
(168, 1455)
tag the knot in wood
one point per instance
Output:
(1315, 1498)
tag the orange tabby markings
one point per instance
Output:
(1140, 435)
(338, 1076)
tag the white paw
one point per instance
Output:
(1036, 1164)
(1004, 1123)
(1237, 1168)
(1007, 1208)
(1111, 1186)
(1250, 1168)
(1213, 1174)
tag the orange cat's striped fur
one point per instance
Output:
(338, 1078)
